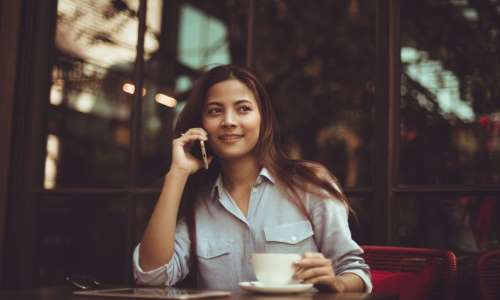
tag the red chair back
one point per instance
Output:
(488, 269)
(413, 273)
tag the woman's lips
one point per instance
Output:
(230, 138)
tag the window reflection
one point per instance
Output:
(102, 32)
(89, 112)
(450, 113)
(51, 162)
(360, 222)
(202, 38)
(197, 35)
(317, 59)
(464, 224)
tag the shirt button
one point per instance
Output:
(293, 238)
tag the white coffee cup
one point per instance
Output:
(275, 268)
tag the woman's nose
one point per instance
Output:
(229, 120)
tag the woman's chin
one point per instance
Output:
(231, 155)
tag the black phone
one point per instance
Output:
(201, 150)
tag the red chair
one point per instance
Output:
(488, 269)
(412, 273)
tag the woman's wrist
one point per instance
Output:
(178, 171)
(348, 282)
(338, 284)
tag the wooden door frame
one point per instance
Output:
(28, 107)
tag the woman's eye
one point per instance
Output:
(244, 108)
(213, 110)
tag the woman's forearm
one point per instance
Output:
(157, 244)
(351, 282)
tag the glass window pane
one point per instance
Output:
(317, 59)
(196, 34)
(463, 224)
(202, 38)
(360, 218)
(144, 207)
(450, 91)
(90, 96)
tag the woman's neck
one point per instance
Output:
(241, 173)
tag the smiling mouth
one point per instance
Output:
(230, 138)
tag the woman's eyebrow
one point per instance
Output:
(237, 102)
(213, 102)
(242, 101)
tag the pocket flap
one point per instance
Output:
(290, 233)
(211, 249)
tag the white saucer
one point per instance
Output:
(255, 286)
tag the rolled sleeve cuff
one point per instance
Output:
(153, 277)
(365, 277)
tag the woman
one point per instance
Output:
(251, 199)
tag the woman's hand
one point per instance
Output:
(316, 269)
(182, 159)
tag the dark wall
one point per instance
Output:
(10, 13)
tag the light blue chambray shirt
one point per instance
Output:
(226, 238)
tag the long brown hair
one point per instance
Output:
(294, 177)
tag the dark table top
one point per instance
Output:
(65, 293)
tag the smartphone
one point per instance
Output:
(201, 151)
(204, 154)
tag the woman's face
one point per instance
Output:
(232, 119)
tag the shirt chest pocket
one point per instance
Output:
(293, 237)
(214, 257)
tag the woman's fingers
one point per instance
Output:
(196, 132)
(313, 262)
(325, 279)
(186, 139)
(309, 273)
(190, 137)
(314, 266)
(313, 255)
(181, 150)
(316, 269)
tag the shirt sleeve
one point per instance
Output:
(333, 237)
(172, 272)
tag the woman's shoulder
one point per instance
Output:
(323, 200)
(324, 204)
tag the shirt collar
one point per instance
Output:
(218, 187)
(264, 173)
